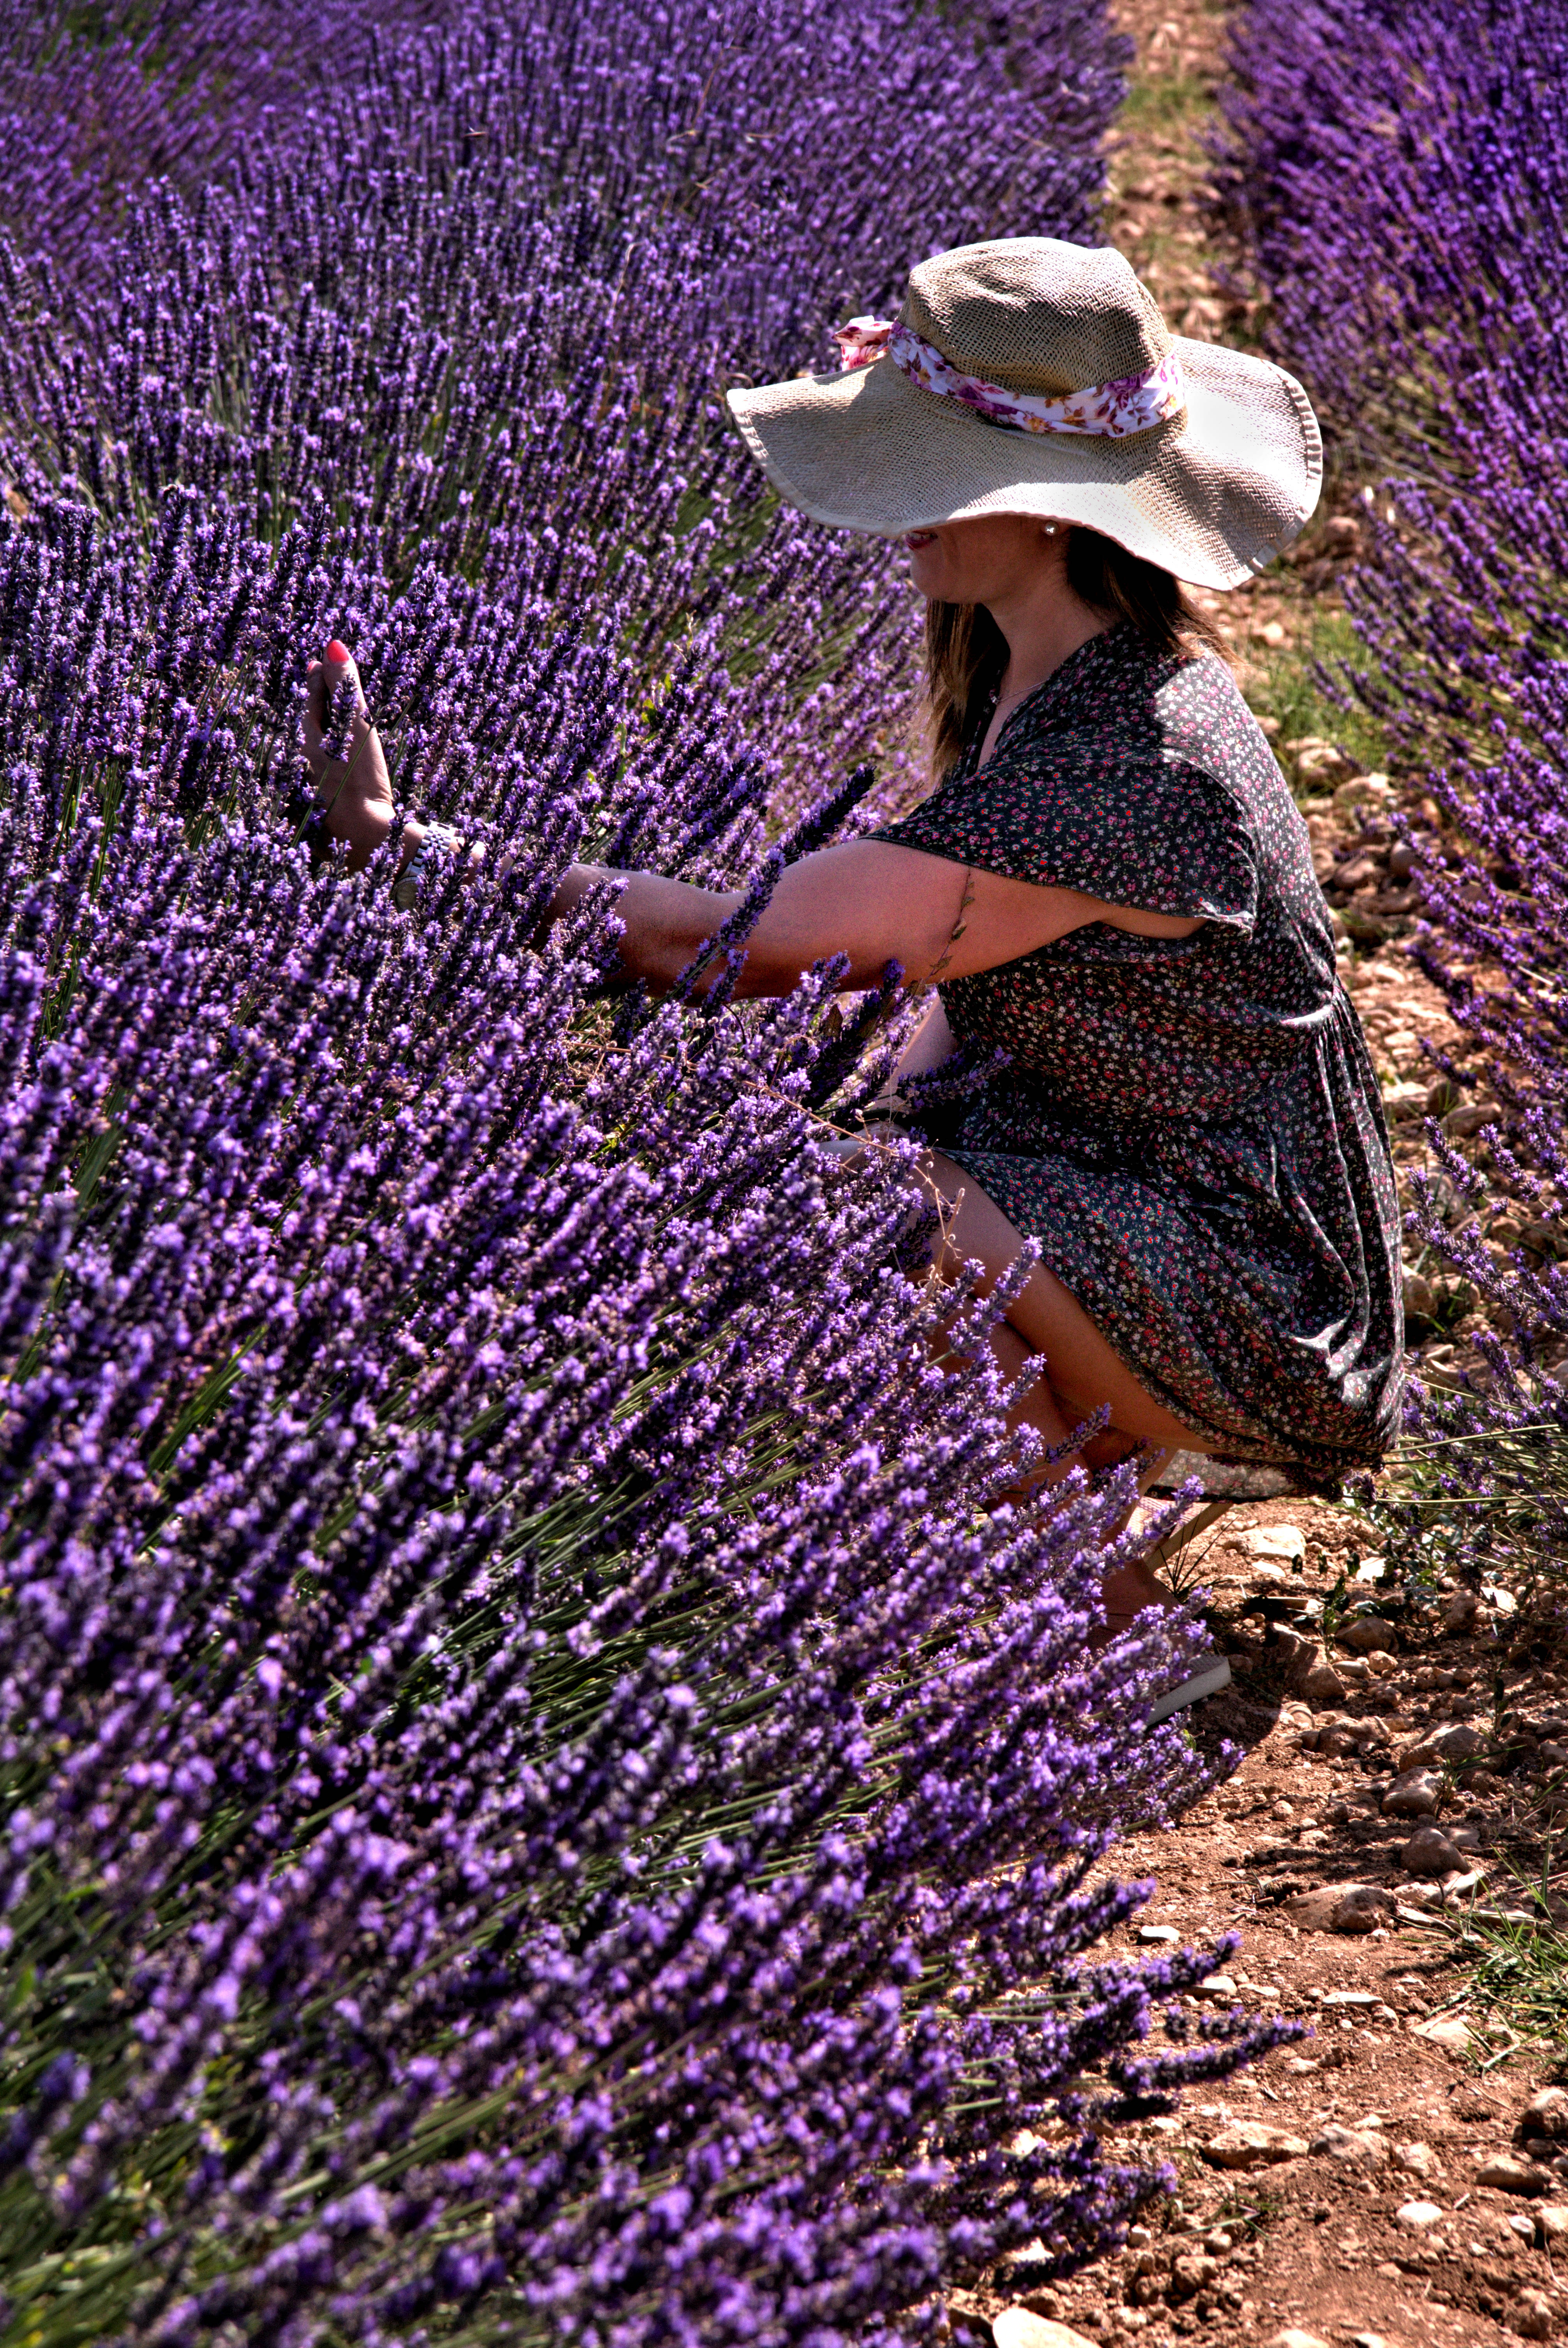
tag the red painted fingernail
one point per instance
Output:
(338, 652)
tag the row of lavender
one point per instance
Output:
(538, 1802)
(1404, 168)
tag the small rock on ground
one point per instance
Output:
(1505, 2175)
(1431, 1852)
(1413, 1794)
(1545, 2116)
(1340, 1908)
(1020, 2327)
(1532, 2315)
(1447, 2030)
(1274, 1542)
(1362, 2145)
(1253, 2143)
(1462, 1741)
(1368, 1634)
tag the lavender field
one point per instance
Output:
(542, 1798)
(1403, 175)
(545, 1794)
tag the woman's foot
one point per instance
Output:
(1212, 1674)
(1129, 1591)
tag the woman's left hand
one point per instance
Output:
(354, 792)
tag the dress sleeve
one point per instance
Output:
(1156, 835)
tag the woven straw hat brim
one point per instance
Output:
(1213, 496)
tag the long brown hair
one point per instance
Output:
(966, 654)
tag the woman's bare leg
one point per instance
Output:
(1043, 1409)
(1084, 1373)
(1079, 1372)
(1128, 1588)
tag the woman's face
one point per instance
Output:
(993, 559)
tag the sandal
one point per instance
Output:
(1212, 1675)
(1129, 1592)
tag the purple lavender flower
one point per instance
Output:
(539, 1776)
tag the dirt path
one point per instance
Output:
(1355, 2209)
(1359, 2213)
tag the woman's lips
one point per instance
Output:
(915, 539)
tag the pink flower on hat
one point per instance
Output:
(862, 342)
(1108, 410)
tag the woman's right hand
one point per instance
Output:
(353, 792)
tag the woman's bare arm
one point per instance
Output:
(866, 898)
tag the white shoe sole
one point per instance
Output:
(1213, 1675)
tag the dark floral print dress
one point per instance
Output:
(1191, 1127)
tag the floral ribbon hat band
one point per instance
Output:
(1027, 376)
(1131, 404)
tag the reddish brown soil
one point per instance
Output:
(1313, 2242)
(1316, 2244)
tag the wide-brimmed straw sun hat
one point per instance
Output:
(1029, 377)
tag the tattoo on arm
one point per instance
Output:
(956, 932)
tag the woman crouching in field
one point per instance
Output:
(1110, 881)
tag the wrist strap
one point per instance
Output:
(441, 839)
